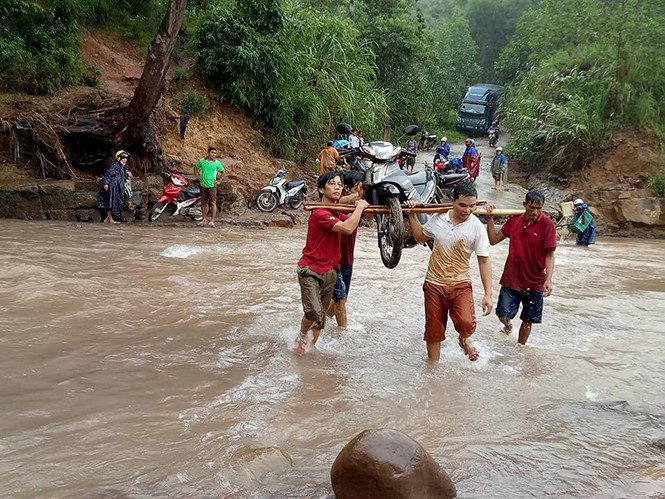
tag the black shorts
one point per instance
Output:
(509, 303)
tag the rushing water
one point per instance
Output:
(156, 361)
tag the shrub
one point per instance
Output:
(178, 79)
(92, 75)
(192, 103)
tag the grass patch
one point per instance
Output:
(192, 103)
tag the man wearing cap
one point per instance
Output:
(498, 168)
(443, 149)
(527, 274)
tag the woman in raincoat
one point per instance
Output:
(111, 194)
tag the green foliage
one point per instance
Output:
(658, 182)
(38, 46)
(92, 75)
(300, 70)
(608, 71)
(178, 79)
(192, 103)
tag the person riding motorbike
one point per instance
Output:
(494, 127)
(443, 149)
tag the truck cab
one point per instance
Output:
(476, 111)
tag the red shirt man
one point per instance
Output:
(527, 274)
(317, 268)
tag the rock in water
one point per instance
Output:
(387, 464)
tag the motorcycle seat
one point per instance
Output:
(295, 183)
(419, 178)
(453, 177)
(192, 193)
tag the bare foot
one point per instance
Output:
(299, 347)
(507, 325)
(469, 350)
(211, 224)
(202, 223)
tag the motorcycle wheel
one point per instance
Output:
(390, 233)
(194, 212)
(266, 201)
(157, 211)
(296, 201)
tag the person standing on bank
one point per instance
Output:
(209, 167)
(327, 158)
(111, 194)
(527, 274)
(498, 168)
(317, 269)
(353, 191)
(457, 234)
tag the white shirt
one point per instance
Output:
(354, 141)
(453, 247)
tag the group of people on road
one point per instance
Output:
(325, 268)
(116, 183)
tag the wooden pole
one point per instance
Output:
(425, 208)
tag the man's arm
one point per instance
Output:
(494, 236)
(350, 224)
(414, 223)
(549, 270)
(485, 266)
(350, 198)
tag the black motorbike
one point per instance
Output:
(386, 184)
(427, 141)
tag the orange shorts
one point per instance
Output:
(442, 300)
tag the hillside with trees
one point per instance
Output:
(576, 71)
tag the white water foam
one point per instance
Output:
(181, 251)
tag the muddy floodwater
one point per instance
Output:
(156, 361)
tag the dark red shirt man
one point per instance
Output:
(317, 268)
(527, 274)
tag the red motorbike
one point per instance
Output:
(177, 200)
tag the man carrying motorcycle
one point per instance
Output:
(209, 167)
(317, 269)
(353, 190)
(457, 234)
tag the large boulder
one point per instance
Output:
(648, 211)
(387, 464)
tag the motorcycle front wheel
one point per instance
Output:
(390, 233)
(157, 211)
(266, 201)
(296, 201)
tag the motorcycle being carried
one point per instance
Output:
(448, 175)
(279, 192)
(427, 141)
(176, 200)
(387, 184)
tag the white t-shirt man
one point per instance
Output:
(453, 247)
(354, 141)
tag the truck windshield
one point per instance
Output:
(472, 108)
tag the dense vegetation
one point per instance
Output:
(606, 72)
(576, 70)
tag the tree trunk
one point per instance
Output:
(137, 131)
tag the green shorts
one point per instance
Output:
(316, 291)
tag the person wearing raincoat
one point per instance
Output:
(111, 194)
(588, 235)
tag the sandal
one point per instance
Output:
(470, 351)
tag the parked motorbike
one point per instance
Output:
(493, 137)
(176, 200)
(427, 141)
(280, 192)
(447, 177)
(387, 184)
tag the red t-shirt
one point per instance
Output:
(525, 265)
(322, 249)
(348, 246)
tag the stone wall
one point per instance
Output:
(74, 200)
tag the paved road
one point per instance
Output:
(510, 198)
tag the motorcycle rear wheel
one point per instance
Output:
(296, 201)
(266, 201)
(390, 233)
(157, 211)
